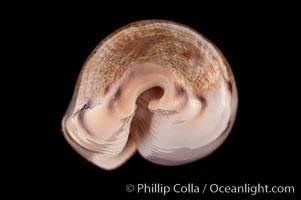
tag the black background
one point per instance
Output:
(258, 42)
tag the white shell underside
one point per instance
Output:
(153, 86)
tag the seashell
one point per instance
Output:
(155, 86)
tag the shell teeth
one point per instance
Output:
(154, 86)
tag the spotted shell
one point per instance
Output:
(155, 86)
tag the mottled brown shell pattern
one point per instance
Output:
(155, 86)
